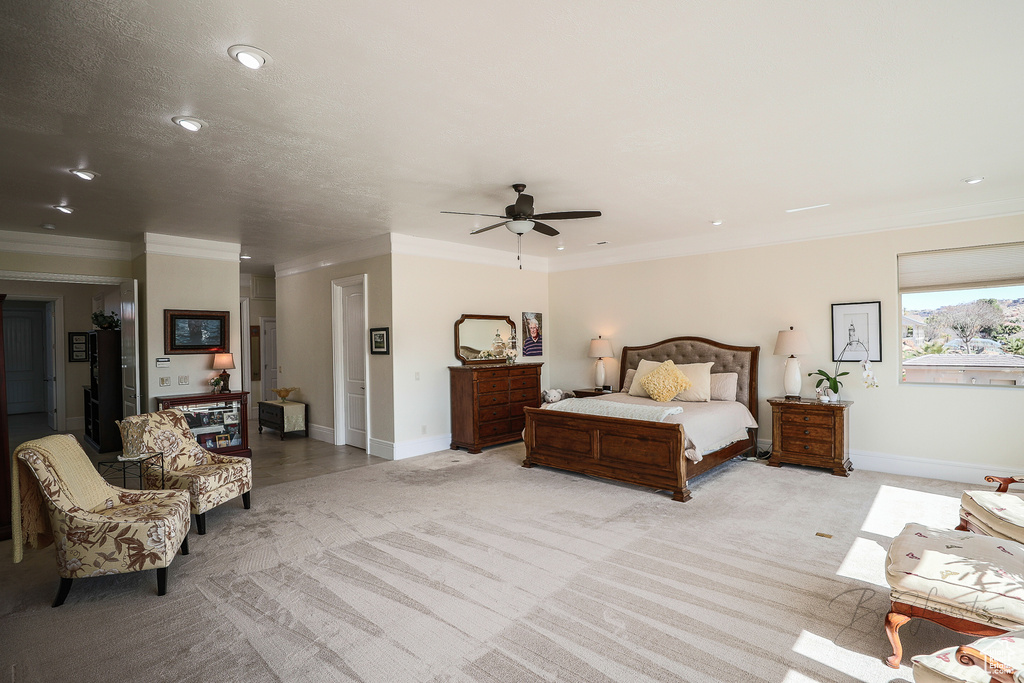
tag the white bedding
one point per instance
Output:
(707, 425)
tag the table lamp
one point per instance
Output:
(224, 362)
(600, 349)
(789, 343)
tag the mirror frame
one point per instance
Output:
(480, 361)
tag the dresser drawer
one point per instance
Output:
(491, 373)
(491, 413)
(491, 386)
(498, 428)
(807, 431)
(523, 382)
(809, 417)
(515, 372)
(484, 400)
(530, 396)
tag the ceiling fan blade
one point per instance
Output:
(544, 229)
(464, 213)
(524, 205)
(489, 227)
(562, 215)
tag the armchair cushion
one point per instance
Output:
(943, 667)
(999, 514)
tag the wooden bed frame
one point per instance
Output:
(636, 451)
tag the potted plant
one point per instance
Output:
(101, 321)
(834, 383)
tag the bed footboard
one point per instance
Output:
(632, 451)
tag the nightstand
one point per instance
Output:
(809, 432)
(589, 393)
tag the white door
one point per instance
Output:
(24, 337)
(130, 386)
(355, 365)
(269, 351)
(50, 366)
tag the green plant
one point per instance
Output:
(833, 381)
(106, 322)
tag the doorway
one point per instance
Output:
(268, 330)
(351, 364)
(34, 377)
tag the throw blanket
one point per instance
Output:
(30, 523)
(609, 409)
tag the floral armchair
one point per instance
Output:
(210, 478)
(97, 528)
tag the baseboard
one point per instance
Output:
(321, 433)
(947, 470)
(381, 448)
(428, 444)
(72, 424)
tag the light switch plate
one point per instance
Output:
(165, 381)
(182, 379)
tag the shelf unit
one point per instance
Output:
(103, 405)
(218, 421)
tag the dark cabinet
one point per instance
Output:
(103, 405)
(488, 401)
(218, 421)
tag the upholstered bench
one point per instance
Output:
(964, 581)
(999, 658)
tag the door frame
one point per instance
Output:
(264, 385)
(246, 355)
(338, 347)
(58, 352)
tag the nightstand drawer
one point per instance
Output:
(806, 431)
(806, 417)
(802, 447)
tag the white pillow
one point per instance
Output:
(699, 375)
(723, 386)
(644, 367)
(628, 380)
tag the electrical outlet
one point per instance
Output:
(417, 377)
(423, 429)
(182, 379)
(165, 381)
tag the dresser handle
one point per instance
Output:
(806, 418)
(807, 448)
(807, 431)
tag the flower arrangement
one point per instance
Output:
(215, 383)
(832, 393)
(102, 321)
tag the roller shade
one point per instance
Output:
(992, 265)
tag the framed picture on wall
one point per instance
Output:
(380, 342)
(856, 331)
(78, 350)
(195, 331)
(533, 343)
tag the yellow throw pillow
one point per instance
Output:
(664, 382)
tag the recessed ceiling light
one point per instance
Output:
(717, 223)
(249, 56)
(189, 123)
(48, 226)
(974, 179)
(63, 208)
(84, 173)
(560, 248)
(805, 208)
(245, 256)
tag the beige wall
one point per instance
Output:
(77, 318)
(429, 296)
(304, 341)
(746, 296)
(179, 282)
(37, 263)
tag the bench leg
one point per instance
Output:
(893, 621)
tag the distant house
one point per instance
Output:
(913, 328)
(978, 345)
(955, 368)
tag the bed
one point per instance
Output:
(639, 452)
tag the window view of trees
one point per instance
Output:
(964, 336)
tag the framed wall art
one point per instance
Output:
(857, 332)
(78, 347)
(380, 341)
(195, 331)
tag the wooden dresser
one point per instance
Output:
(809, 432)
(488, 402)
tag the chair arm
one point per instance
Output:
(133, 496)
(227, 459)
(999, 672)
(1004, 482)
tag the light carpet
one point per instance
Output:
(457, 567)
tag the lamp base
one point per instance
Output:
(224, 379)
(792, 381)
(599, 374)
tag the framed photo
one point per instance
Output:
(223, 440)
(533, 343)
(380, 341)
(209, 441)
(195, 331)
(78, 349)
(857, 332)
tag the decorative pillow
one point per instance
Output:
(643, 367)
(664, 382)
(723, 386)
(627, 380)
(132, 432)
(699, 375)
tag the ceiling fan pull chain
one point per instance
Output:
(519, 256)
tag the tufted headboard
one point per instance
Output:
(681, 350)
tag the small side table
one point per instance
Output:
(284, 416)
(590, 393)
(809, 432)
(139, 465)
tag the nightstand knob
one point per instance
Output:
(806, 418)
(807, 448)
(807, 431)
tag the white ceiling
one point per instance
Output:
(375, 116)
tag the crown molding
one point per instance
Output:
(452, 251)
(343, 253)
(74, 278)
(63, 245)
(190, 247)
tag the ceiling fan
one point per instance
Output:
(520, 219)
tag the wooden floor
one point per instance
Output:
(273, 461)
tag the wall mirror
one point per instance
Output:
(474, 338)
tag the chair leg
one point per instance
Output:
(161, 581)
(246, 501)
(893, 621)
(62, 592)
(201, 523)
(184, 545)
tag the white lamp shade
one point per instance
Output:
(223, 361)
(791, 343)
(600, 348)
(519, 227)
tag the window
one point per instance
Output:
(963, 315)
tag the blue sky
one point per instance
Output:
(919, 301)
